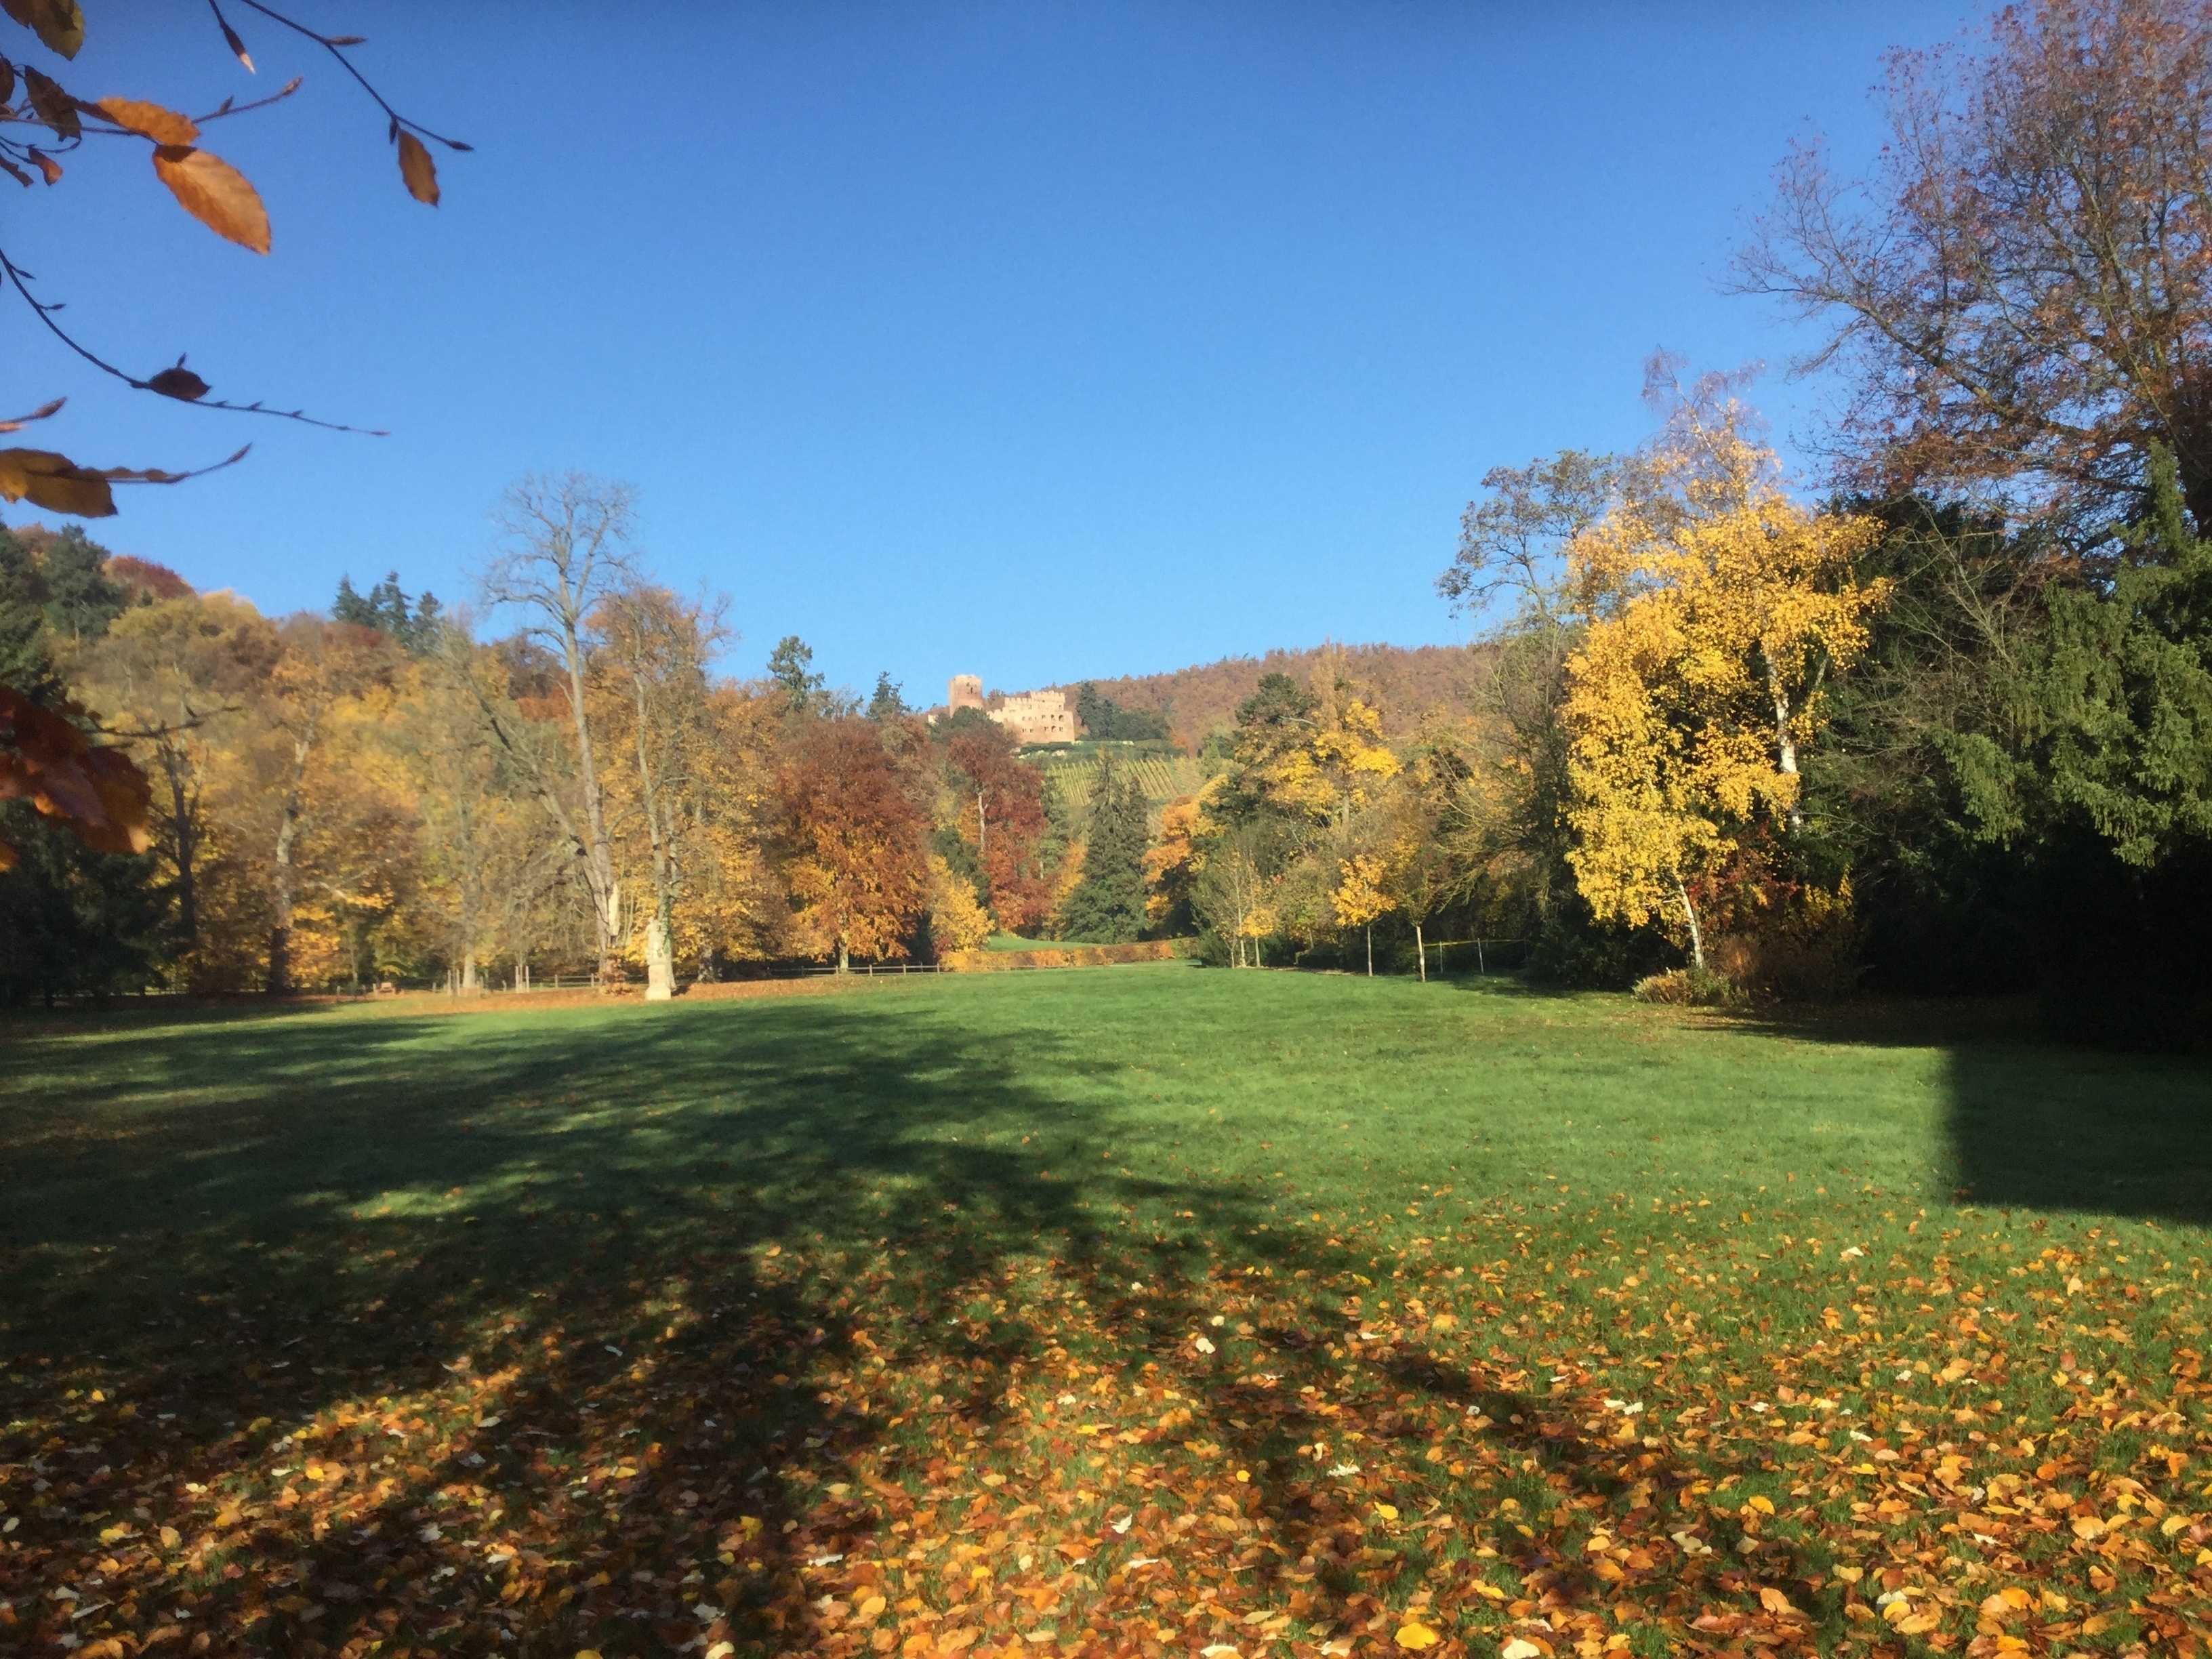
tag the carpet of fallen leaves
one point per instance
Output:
(1972, 1434)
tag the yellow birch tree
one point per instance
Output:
(1717, 606)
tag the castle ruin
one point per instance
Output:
(1031, 716)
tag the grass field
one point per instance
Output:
(1130, 1309)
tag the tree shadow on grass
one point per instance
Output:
(2037, 1125)
(636, 1330)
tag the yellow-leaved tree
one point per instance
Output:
(957, 921)
(1716, 606)
(1360, 896)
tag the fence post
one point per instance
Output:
(1480, 966)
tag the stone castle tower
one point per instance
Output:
(1031, 716)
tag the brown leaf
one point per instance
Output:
(59, 23)
(163, 126)
(53, 106)
(215, 193)
(7, 81)
(46, 165)
(97, 792)
(54, 482)
(416, 168)
(178, 382)
(16, 173)
(38, 414)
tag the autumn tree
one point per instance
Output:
(1361, 896)
(292, 794)
(1233, 890)
(853, 837)
(998, 803)
(654, 649)
(2020, 292)
(957, 921)
(170, 681)
(1717, 607)
(567, 549)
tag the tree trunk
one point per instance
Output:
(180, 810)
(660, 933)
(280, 905)
(844, 956)
(469, 969)
(1421, 950)
(1785, 745)
(659, 962)
(598, 861)
(1371, 952)
(1697, 938)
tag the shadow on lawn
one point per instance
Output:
(2037, 1125)
(251, 1231)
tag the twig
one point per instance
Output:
(15, 276)
(335, 47)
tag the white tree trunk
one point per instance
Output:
(1697, 938)
(659, 962)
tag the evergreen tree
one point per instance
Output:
(790, 666)
(24, 662)
(80, 600)
(1095, 713)
(72, 921)
(1108, 905)
(888, 703)
(387, 609)
(75, 922)
(349, 607)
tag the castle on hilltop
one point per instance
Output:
(1031, 716)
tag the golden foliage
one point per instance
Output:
(957, 921)
(1358, 898)
(1717, 606)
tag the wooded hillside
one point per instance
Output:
(1411, 682)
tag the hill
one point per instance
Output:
(1410, 681)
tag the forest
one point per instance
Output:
(1937, 720)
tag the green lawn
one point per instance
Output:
(1138, 1309)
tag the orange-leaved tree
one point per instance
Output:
(854, 840)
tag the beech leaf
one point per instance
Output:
(178, 382)
(46, 165)
(163, 126)
(55, 483)
(51, 105)
(6, 81)
(417, 169)
(59, 23)
(38, 414)
(215, 193)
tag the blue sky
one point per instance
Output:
(1034, 340)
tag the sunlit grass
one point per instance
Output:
(990, 1265)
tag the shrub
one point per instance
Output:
(1808, 952)
(1689, 987)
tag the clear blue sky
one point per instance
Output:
(1030, 339)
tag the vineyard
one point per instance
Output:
(1162, 778)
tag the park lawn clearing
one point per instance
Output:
(1139, 1309)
